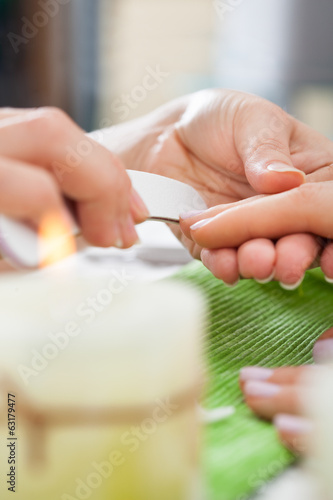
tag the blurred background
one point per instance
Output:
(107, 61)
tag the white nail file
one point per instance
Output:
(165, 199)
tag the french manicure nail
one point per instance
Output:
(193, 213)
(323, 351)
(283, 168)
(291, 286)
(266, 280)
(139, 205)
(292, 424)
(261, 389)
(329, 280)
(231, 285)
(201, 223)
(119, 243)
(255, 373)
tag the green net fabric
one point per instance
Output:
(252, 324)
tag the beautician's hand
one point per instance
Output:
(43, 156)
(275, 394)
(230, 146)
(306, 209)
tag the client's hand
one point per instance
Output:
(230, 146)
(306, 209)
(275, 394)
(43, 156)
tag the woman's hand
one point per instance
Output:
(230, 146)
(277, 394)
(303, 210)
(44, 156)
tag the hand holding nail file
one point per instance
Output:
(165, 199)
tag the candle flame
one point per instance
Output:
(56, 240)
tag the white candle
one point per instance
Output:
(105, 376)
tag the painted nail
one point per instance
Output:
(193, 213)
(255, 373)
(292, 424)
(329, 280)
(266, 280)
(323, 351)
(291, 286)
(138, 205)
(201, 223)
(283, 168)
(261, 389)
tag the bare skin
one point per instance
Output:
(44, 156)
(224, 143)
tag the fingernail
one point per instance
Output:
(231, 285)
(266, 280)
(131, 234)
(292, 424)
(261, 389)
(329, 280)
(255, 373)
(291, 286)
(193, 213)
(119, 243)
(323, 351)
(284, 168)
(138, 205)
(201, 223)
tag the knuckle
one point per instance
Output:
(307, 193)
(51, 121)
(269, 143)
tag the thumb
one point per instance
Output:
(263, 143)
(323, 348)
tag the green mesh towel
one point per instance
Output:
(253, 324)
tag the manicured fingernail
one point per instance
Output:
(231, 285)
(323, 351)
(329, 280)
(119, 243)
(193, 213)
(284, 168)
(291, 286)
(255, 373)
(138, 205)
(201, 223)
(266, 280)
(292, 424)
(261, 389)
(129, 229)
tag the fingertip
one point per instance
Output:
(190, 219)
(222, 263)
(139, 209)
(256, 259)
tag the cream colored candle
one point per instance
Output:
(105, 376)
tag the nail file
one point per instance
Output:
(165, 199)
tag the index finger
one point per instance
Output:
(300, 210)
